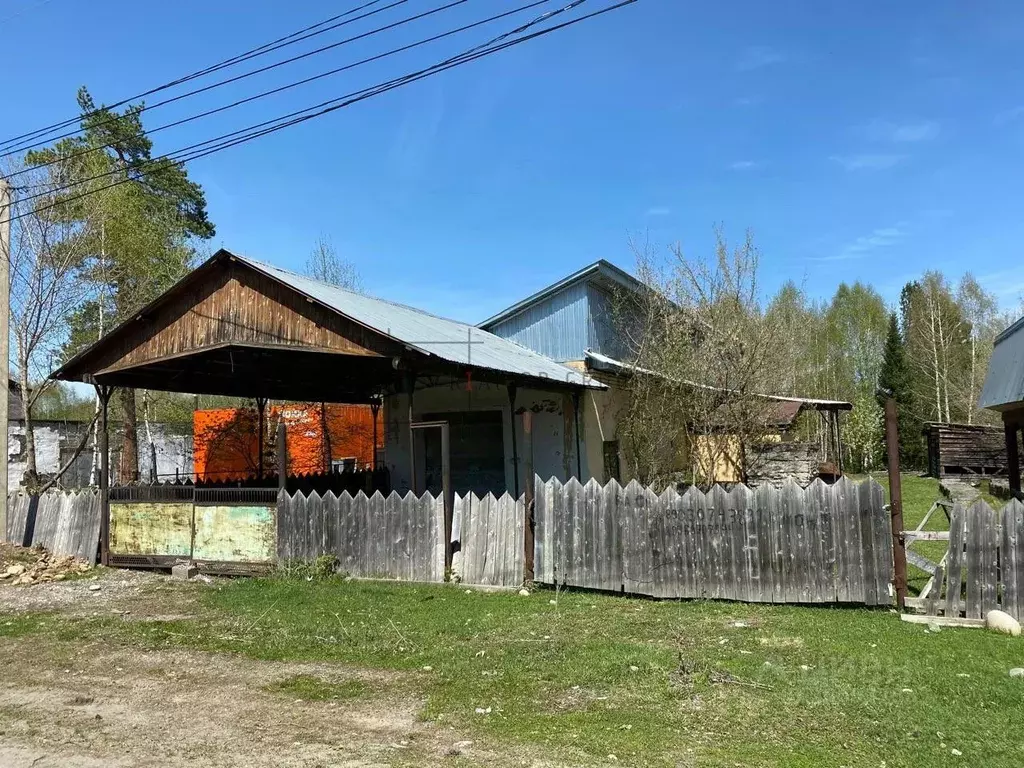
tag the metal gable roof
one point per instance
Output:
(447, 339)
(601, 268)
(1004, 383)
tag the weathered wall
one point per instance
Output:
(56, 442)
(777, 462)
(554, 448)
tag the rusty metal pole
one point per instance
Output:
(528, 506)
(899, 552)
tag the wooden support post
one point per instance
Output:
(261, 409)
(375, 410)
(104, 393)
(528, 519)
(1012, 456)
(449, 497)
(839, 442)
(282, 455)
(410, 387)
(576, 422)
(899, 552)
(515, 452)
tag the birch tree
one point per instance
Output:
(46, 287)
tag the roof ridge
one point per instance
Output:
(334, 286)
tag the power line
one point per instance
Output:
(118, 118)
(237, 59)
(305, 81)
(194, 154)
(358, 95)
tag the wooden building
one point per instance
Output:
(457, 400)
(1004, 393)
(965, 449)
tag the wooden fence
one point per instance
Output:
(983, 569)
(389, 537)
(64, 523)
(822, 544)
(489, 532)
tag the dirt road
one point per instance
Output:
(82, 704)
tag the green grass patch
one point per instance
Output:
(654, 683)
(309, 688)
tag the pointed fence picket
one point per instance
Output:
(820, 544)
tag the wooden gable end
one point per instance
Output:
(232, 304)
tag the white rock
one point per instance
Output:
(955, 752)
(524, 592)
(998, 621)
(428, 669)
(94, 587)
(1017, 672)
(15, 570)
(613, 758)
(552, 602)
(634, 668)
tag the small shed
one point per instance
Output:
(965, 449)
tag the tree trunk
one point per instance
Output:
(128, 471)
(31, 477)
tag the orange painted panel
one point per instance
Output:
(225, 441)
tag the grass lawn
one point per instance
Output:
(576, 677)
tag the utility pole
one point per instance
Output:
(5, 319)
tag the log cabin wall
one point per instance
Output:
(965, 449)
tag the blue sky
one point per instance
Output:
(856, 140)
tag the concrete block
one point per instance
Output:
(184, 571)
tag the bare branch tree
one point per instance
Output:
(326, 265)
(701, 350)
(46, 287)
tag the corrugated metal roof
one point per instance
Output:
(447, 339)
(1004, 383)
(603, 362)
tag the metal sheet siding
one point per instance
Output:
(557, 327)
(447, 339)
(1004, 384)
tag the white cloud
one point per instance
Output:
(1008, 116)
(658, 210)
(743, 165)
(882, 237)
(868, 162)
(901, 133)
(757, 57)
(747, 101)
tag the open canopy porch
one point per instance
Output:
(238, 327)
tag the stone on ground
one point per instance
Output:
(998, 621)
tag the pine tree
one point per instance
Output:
(895, 377)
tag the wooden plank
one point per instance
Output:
(884, 584)
(543, 529)
(721, 542)
(933, 601)
(635, 536)
(955, 559)
(989, 558)
(789, 541)
(765, 542)
(611, 501)
(944, 621)
(973, 577)
(749, 536)
(1012, 558)
(363, 560)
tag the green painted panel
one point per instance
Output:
(147, 528)
(236, 533)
